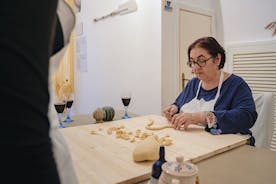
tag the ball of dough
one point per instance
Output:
(147, 149)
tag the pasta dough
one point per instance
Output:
(138, 135)
(150, 127)
(147, 149)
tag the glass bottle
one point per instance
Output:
(157, 166)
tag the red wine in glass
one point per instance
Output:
(126, 97)
(126, 101)
(60, 108)
(69, 103)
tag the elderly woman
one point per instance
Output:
(221, 101)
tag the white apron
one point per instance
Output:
(60, 148)
(201, 105)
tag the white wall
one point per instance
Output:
(123, 53)
(245, 21)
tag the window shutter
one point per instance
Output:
(256, 64)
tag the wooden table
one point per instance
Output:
(242, 165)
(103, 158)
(245, 165)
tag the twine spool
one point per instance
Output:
(99, 115)
(109, 113)
(105, 113)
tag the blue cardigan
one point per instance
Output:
(235, 108)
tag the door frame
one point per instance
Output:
(170, 50)
(182, 6)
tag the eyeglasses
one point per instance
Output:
(201, 62)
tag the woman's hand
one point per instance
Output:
(183, 120)
(169, 111)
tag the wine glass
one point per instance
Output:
(60, 106)
(69, 103)
(126, 97)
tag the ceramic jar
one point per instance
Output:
(178, 172)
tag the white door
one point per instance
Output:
(192, 25)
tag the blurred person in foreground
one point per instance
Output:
(26, 43)
(65, 24)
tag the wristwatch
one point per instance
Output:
(211, 119)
